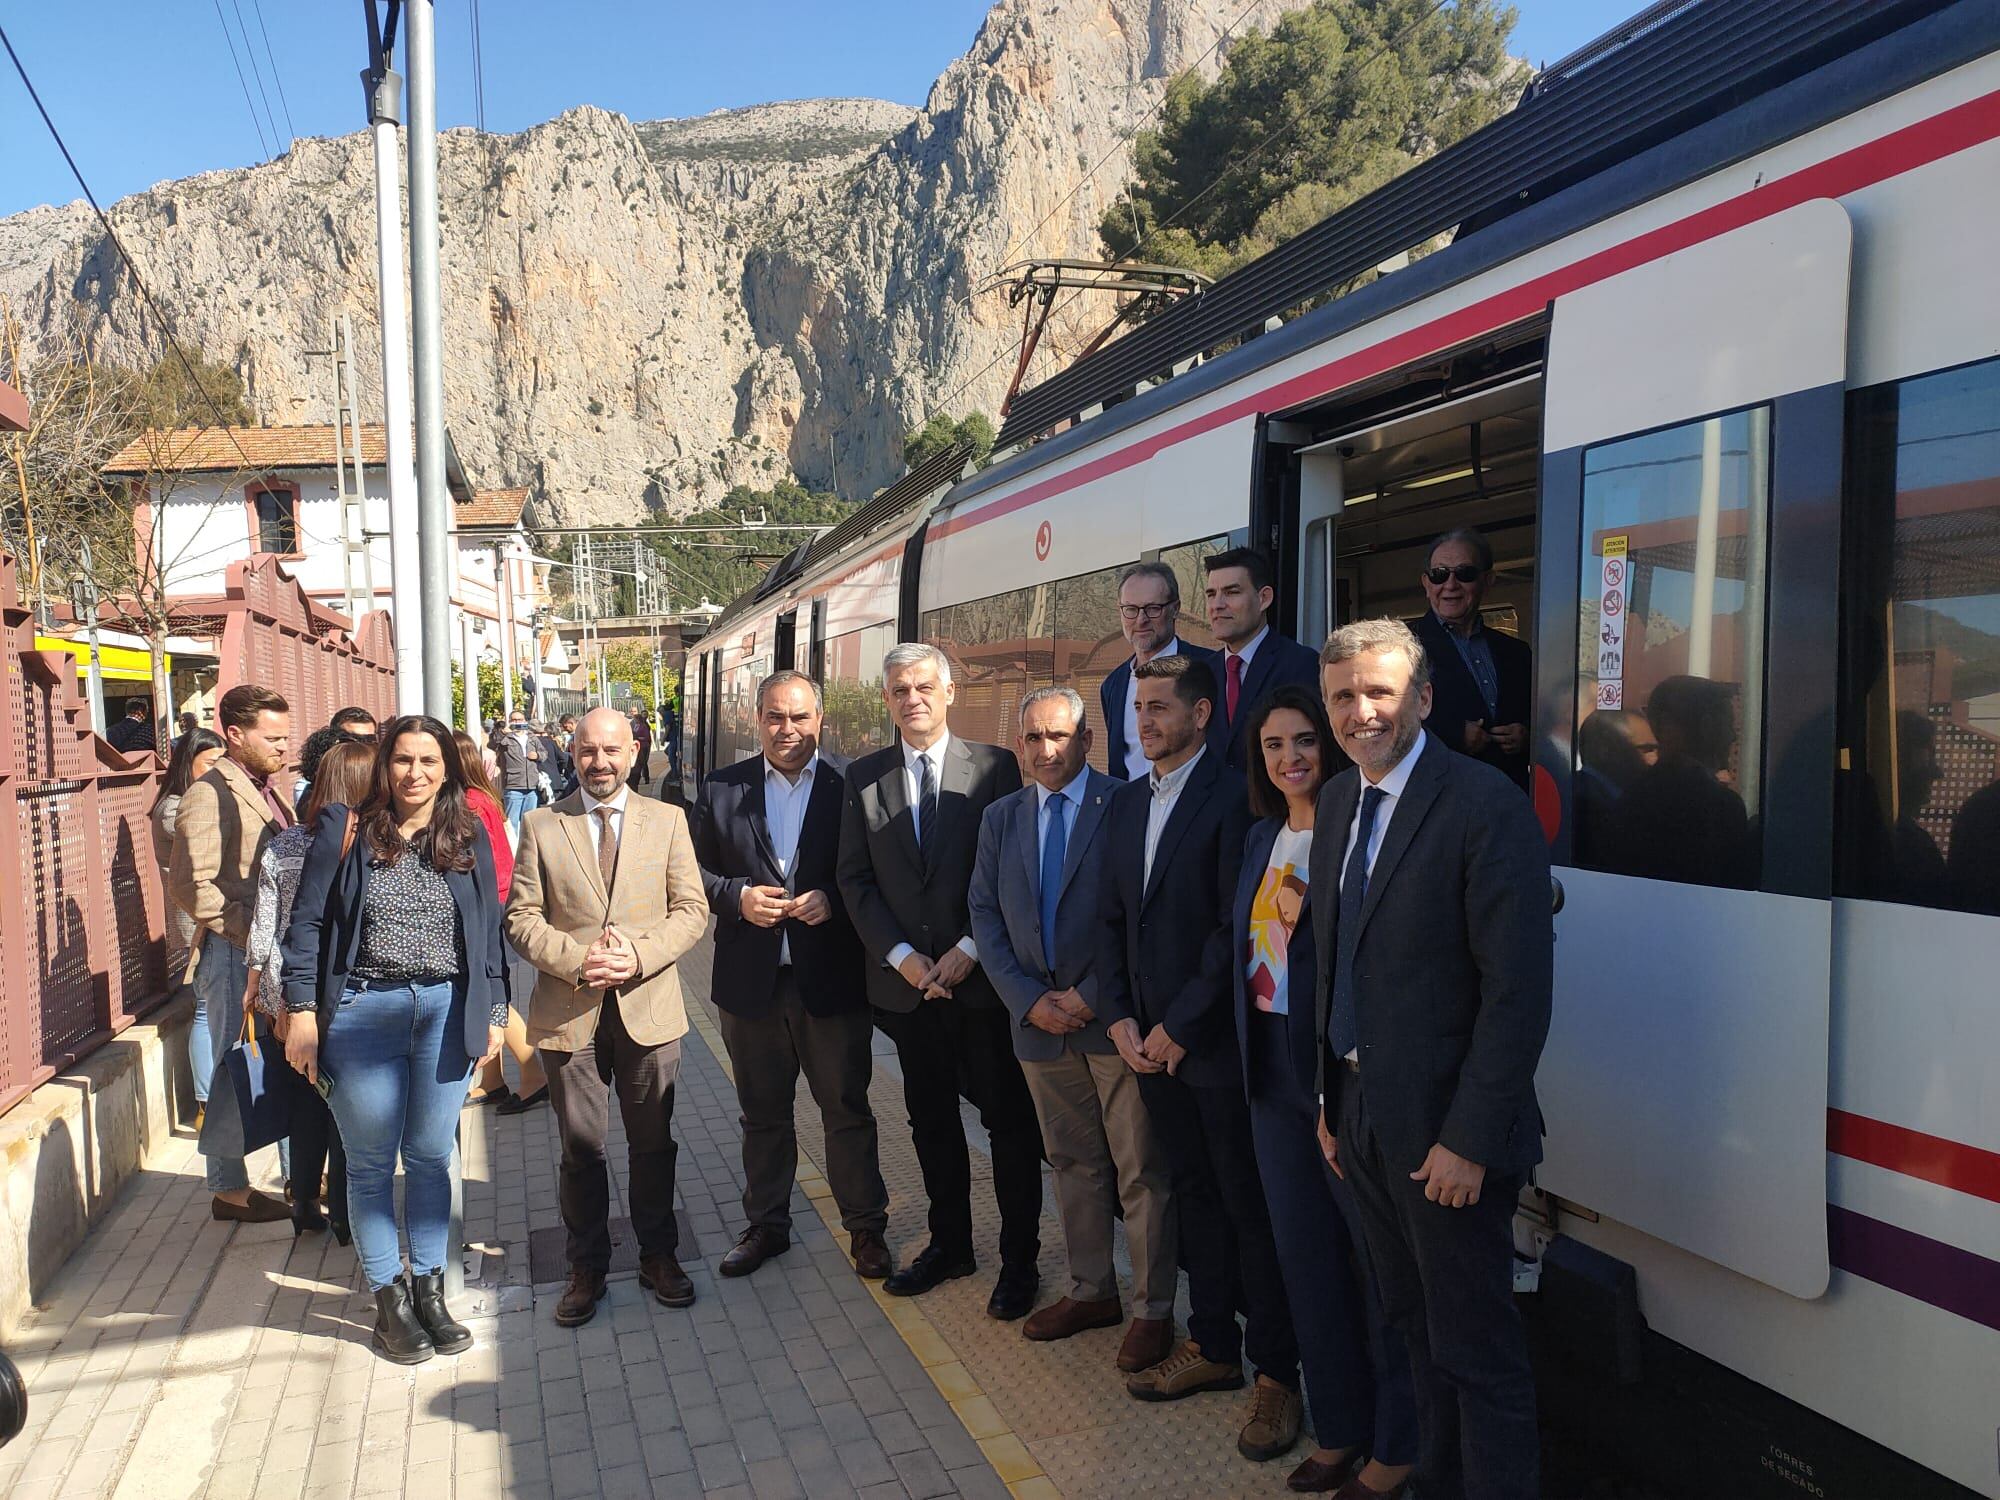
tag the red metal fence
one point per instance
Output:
(83, 951)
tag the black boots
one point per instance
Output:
(448, 1336)
(399, 1336)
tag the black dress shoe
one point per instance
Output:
(448, 1335)
(1014, 1293)
(520, 1104)
(931, 1267)
(759, 1243)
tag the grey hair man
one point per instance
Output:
(1035, 911)
(909, 833)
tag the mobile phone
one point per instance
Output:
(323, 1081)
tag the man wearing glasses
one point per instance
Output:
(1482, 682)
(1149, 607)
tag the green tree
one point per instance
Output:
(168, 396)
(1336, 100)
(721, 564)
(491, 694)
(630, 664)
(942, 430)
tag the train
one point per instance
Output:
(1709, 349)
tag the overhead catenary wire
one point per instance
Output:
(248, 102)
(478, 72)
(277, 75)
(257, 71)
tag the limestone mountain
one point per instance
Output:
(638, 315)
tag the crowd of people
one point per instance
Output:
(1298, 1067)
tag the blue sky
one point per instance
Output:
(145, 90)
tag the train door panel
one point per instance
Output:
(1321, 496)
(1689, 640)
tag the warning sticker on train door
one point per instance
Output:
(1613, 593)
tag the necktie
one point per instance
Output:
(607, 848)
(1233, 692)
(1341, 1031)
(1055, 848)
(926, 802)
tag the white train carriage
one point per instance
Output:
(1724, 391)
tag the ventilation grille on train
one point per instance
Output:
(1645, 82)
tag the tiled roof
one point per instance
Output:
(491, 508)
(198, 450)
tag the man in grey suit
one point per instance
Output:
(1034, 904)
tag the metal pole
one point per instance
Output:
(503, 588)
(87, 596)
(385, 113)
(434, 544)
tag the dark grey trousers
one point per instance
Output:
(768, 1053)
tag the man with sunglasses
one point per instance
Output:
(1482, 681)
(1149, 610)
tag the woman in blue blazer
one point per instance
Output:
(395, 981)
(1357, 1373)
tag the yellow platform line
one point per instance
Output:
(983, 1422)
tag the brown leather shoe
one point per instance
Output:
(1185, 1372)
(1271, 1426)
(872, 1260)
(1068, 1317)
(261, 1209)
(581, 1294)
(1147, 1342)
(759, 1243)
(663, 1277)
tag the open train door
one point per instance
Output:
(1688, 641)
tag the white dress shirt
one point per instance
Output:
(1391, 787)
(913, 781)
(1166, 792)
(1074, 792)
(784, 819)
(617, 805)
(1248, 652)
(1137, 767)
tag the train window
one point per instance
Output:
(1186, 561)
(999, 650)
(856, 720)
(1919, 792)
(1670, 695)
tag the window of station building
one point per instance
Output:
(1918, 792)
(855, 721)
(1670, 689)
(277, 518)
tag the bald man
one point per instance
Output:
(607, 896)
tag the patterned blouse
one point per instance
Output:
(277, 885)
(409, 923)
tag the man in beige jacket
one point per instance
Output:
(606, 898)
(224, 821)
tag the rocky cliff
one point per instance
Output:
(640, 315)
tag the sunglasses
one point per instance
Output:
(1464, 573)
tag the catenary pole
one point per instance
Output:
(434, 542)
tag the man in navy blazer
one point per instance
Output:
(1174, 844)
(1255, 658)
(1430, 882)
(787, 977)
(1149, 609)
(1035, 912)
(1482, 681)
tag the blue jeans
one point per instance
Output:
(395, 1050)
(219, 981)
(201, 1056)
(518, 803)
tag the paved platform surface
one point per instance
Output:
(177, 1357)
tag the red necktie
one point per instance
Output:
(1233, 693)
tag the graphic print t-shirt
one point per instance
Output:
(1274, 915)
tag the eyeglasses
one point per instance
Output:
(1149, 611)
(1464, 573)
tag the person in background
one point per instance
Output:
(394, 979)
(224, 821)
(345, 774)
(1149, 608)
(134, 732)
(357, 723)
(1255, 658)
(1357, 1373)
(194, 753)
(607, 898)
(314, 750)
(1482, 681)
(520, 762)
(1172, 849)
(1035, 904)
(491, 1084)
(787, 977)
(184, 725)
(1437, 959)
(909, 834)
(642, 738)
(561, 770)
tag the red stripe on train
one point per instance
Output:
(1952, 1164)
(1956, 129)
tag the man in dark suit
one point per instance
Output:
(134, 732)
(1149, 608)
(1482, 682)
(788, 976)
(1173, 844)
(1255, 658)
(1431, 881)
(1036, 913)
(909, 832)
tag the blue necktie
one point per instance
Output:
(1341, 1033)
(1055, 848)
